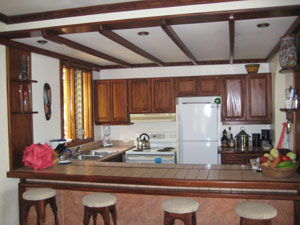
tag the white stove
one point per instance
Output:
(162, 150)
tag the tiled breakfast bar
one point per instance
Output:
(140, 188)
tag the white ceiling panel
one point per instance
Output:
(207, 41)
(157, 43)
(97, 41)
(253, 42)
(17, 7)
(61, 49)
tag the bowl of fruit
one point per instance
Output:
(279, 163)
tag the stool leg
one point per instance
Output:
(87, 216)
(40, 212)
(244, 221)
(113, 211)
(106, 217)
(94, 217)
(188, 219)
(52, 202)
(25, 208)
(168, 220)
(194, 220)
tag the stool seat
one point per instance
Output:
(180, 205)
(99, 200)
(256, 211)
(38, 194)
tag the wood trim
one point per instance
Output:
(122, 41)
(3, 18)
(231, 38)
(72, 44)
(293, 28)
(108, 8)
(149, 191)
(156, 21)
(212, 62)
(47, 53)
(175, 38)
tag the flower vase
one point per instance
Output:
(288, 54)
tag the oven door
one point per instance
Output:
(165, 159)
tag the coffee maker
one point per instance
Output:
(266, 137)
(107, 142)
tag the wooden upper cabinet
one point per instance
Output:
(163, 95)
(119, 101)
(259, 97)
(233, 98)
(102, 93)
(139, 95)
(208, 86)
(186, 86)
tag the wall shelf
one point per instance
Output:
(289, 110)
(34, 112)
(296, 69)
(23, 81)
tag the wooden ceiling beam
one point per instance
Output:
(41, 51)
(231, 38)
(295, 27)
(172, 20)
(122, 41)
(175, 38)
(64, 41)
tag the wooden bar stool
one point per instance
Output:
(180, 208)
(39, 197)
(255, 213)
(101, 203)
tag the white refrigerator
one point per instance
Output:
(198, 130)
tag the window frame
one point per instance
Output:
(83, 69)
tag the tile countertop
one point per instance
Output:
(175, 175)
(238, 150)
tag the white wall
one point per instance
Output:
(279, 83)
(178, 71)
(45, 70)
(9, 210)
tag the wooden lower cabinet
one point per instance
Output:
(238, 158)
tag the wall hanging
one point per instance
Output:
(47, 101)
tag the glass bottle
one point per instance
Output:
(224, 139)
(231, 142)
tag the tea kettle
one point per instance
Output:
(143, 143)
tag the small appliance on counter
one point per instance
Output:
(242, 139)
(142, 142)
(266, 141)
(107, 142)
(256, 140)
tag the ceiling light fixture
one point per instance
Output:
(263, 25)
(42, 42)
(143, 33)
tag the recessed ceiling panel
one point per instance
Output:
(157, 43)
(97, 41)
(207, 41)
(61, 49)
(253, 42)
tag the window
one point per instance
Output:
(77, 123)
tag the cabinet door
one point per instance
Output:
(186, 86)
(209, 86)
(119, 105)
(259, 97)
(139, 95)
(163, 95)
(233, 98)
(102, 101)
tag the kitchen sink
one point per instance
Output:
(93, 154)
